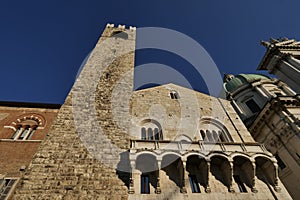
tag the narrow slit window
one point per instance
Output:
(156, 134)
(222, 137)
(143, 137)
(204, 138)
(215, 136)
(19, 130)
(23, 135)
(31, 134)
(150, 134)
(194, 184)
(145, 185)
(209, 136)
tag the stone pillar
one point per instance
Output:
(158, 189)
(230, 189)
(19, 133)
(207, 188)
(183, 180)
(276, 186)
(131, 180)
(253, 189)
(27, 134)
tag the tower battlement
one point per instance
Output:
(120, 26)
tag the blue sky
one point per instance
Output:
(43, 43)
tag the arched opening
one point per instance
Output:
(204, 138)
(265, 171)
(147, 165)
(173, 167)
(144, 134)
(151, 130)
(214, 131)
(26, 128)
(150, 134)
(120, 34)
(221, 172)
(243, 174)
(197, 173)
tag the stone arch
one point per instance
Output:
(200, 155)
(241, 154)
(172, 165)
(151, 129)
(170, 153)
(221, 171)
(144, 153)
(221, 154)
(243, 173)
(213, 130)
(38, 119)
(146, 163)
(267, 157)
(266, 170)
(197, 169)
(24, 126)
(119, 34)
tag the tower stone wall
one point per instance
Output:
(66, 166)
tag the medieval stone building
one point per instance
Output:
(166, 142)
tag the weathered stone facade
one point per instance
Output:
(106, 139)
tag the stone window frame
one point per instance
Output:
(7, 186)
(23, 131)
(220, 134)
(145, 184)
(174, 94)
(252, 106)
(194, 183)
(148, 133)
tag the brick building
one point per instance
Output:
(23, 126)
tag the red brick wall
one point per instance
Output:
(14, 154)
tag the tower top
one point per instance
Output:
(120, 26)
(281, 43)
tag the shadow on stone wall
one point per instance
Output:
(124, 168)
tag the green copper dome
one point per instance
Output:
(241, 79)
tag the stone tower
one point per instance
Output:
(165, 142)
(270, 110)
(282, 58)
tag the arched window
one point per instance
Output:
(174, 95)
(25, 127)
(151, 130)
(120, 34)
(214, 131)
(209, 136)
(150, 134)
(144, 134)
(24, 132)
(215, 136)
